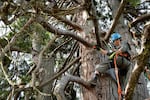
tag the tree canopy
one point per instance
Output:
(38, 32)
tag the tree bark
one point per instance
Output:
(89, 58)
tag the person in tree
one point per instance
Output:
(119, 59)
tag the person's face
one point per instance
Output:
(117, 42)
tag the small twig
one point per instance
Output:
(71, 10)
(75, 69)
(41, 93)
(54, 51)
(72, 24)
(74, 48)
(6, 76)
(9, 96)
(109, 5)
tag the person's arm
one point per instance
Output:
(110, 53)
(103, 51)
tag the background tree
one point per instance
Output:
(57, 37)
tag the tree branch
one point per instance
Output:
(60, 87)
(62, 71)
(96, 24)
(57, 31)
(57, 48)
(6, 75)
(68, 11)
(140, 19)
(115, 20)
(142, 60)
(74, 48)
(72, 24)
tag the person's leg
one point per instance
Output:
(111, 72)
(99, 69)
(94, 78)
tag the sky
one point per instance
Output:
(3, 29)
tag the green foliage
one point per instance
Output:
(3, 42)
(19, 23)
(25, 79)
(4, 89)
(24, 43)
(134, 2)
(42, 33)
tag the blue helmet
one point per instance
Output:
(115, 36)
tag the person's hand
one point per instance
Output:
(118, 51)
(96, 47)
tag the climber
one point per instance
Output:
(119, 54)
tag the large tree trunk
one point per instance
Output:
(106, 88)
(48, 70)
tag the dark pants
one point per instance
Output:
(123, 65)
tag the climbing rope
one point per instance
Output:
(117, 77)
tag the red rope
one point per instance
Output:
(117, 77)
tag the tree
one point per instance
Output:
(59, 35)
